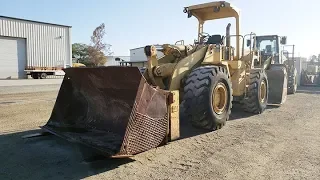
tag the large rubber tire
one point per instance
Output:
(292, 81)
(198, 97)
(252, 103)
(35, 75)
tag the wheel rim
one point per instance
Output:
(43, 75)
(263, 91)
(219, 97)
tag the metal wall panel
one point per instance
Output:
(12, 58)
(47, 44)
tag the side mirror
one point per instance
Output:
(248, 43)
(283, 40)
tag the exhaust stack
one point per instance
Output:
(228, 42)
(228, 35)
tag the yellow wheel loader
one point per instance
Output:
(273, 47)
(211, 74)
(120, 112)
(289, 63)
(311, 75)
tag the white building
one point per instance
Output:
(137, 55)
(33, 44)
(111, 60)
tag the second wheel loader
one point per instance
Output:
(120, 112)
(273, 47)
(310, 76)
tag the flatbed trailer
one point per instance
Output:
(42, 72)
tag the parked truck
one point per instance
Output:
(42, 72)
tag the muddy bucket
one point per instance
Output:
(110, 109)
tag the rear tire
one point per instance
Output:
(43, 75)
(292, 82)
(35, 75)
(257, 93)
(208, 97)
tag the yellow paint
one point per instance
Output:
(205, 12)
(238, 81)
(174, 124)
(184, 66)
(213, 55)
(78, 65)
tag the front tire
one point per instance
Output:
(208, 97)
(257, 93)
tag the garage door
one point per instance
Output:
(12, 58)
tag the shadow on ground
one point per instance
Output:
(238, 113)
(309, 89)
(49, 157)
(187, 130)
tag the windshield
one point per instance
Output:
(267, 44)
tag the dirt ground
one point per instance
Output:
(282, 143)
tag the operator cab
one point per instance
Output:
(270, 45)
(210, 39)
(215, 39)
(212, 11)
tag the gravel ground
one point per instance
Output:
(30, 82)
(29, 85)
(29, 88)
(282, 143)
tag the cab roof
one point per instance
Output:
(212, 10)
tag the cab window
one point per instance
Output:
(267, 46)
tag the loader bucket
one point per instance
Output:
(110, 109)
(277, 80)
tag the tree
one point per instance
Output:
(98, 49)
(313, 58)
(80, 52)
